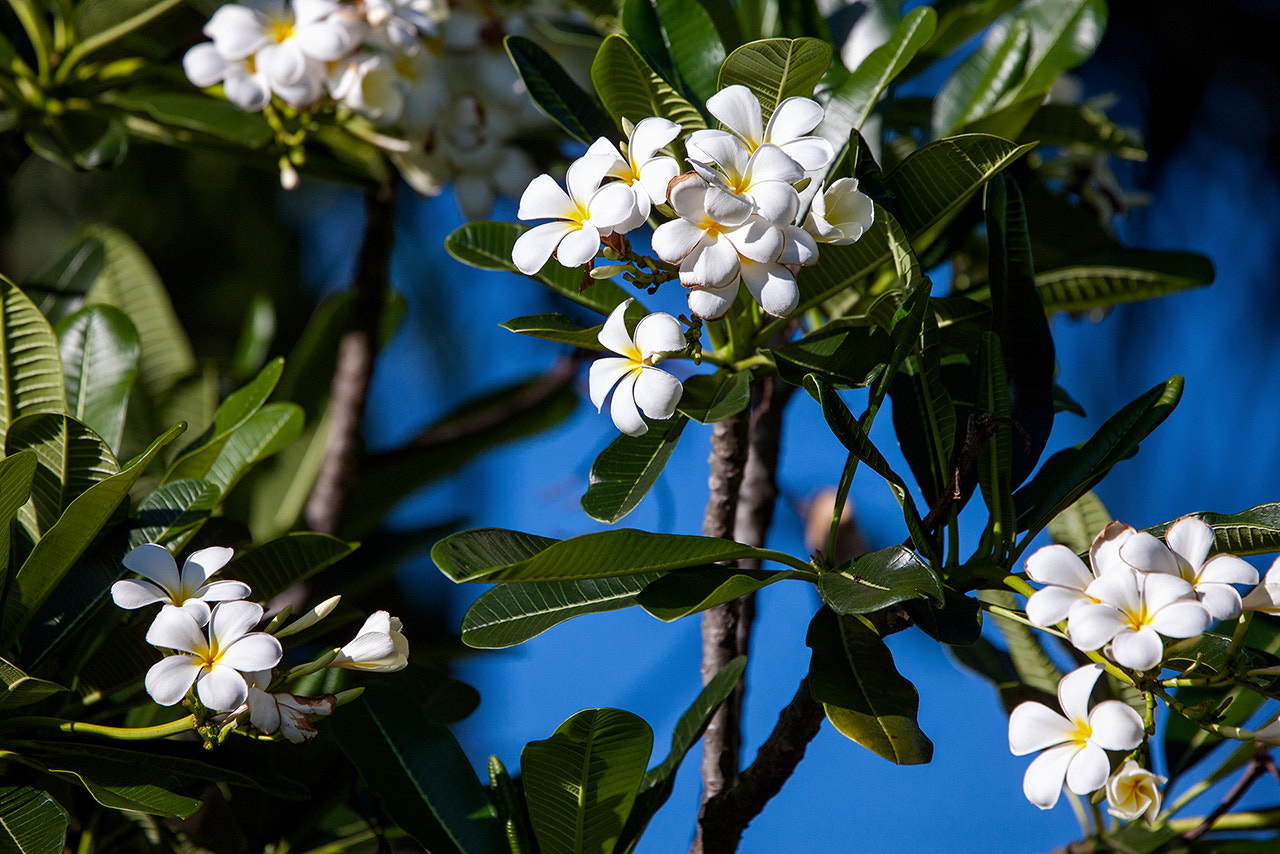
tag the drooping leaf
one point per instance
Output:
(18, 689)
(1063, 35)
(996, 453)
(1128, 276)
(694, 43)
(100, 356)
(555, 93)
(31, 822)
(71, 458)
(1081, 125)
(844, 353)
(689, 591)
(418, 773)
(777, 69)
(630, 88)
(273, 567)
(878, 580)
(709, 398)
(126, 785)
(973, 89)
(31, 370)
(581, 783)
(510, 614)
(853, 675)
(628, 468)
(556, 327)
(957, 22)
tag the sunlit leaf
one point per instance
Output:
(71, 458)
(100, 357)
(777, 69)
(976, 85)
(510, 614)
(693, 41)
(628, 468)
(709, 398)
(878, 580)
(630, 88)
(31, 371)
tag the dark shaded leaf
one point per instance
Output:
(714, 397)
(276, 566)
(878, 580)
(688, 591)
(100, 356)
(555, 93)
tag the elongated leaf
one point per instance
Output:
(174, 512)
(200, 113)
(511, 614)
(558, 328)
(487, 245)
(18, 689)
(630, 88)
(31, 822)
(100, 357)
(17, 472)
(59, 289)
(957, 23)
(581, 782)
(709, 398)
(1132, 276)
(170, 759)
(126, 785)
(1249, 532)
(1067, 475)
(61, 547)
(995, 457)
(852, 674)
(693, 42)
(196, 461)
(855, 97)
(555, 93)
(689, 591)
(1080, 125)
(261, 435)
(418, 773)
(660, 780)
(844, 353)
(628, 468)
(31, 370)
(494, 554)
(71, 458)
(1064, 33)
(777, 69)
(1026, 647)
(924, 415)
(878, 580)
(976, 85)
(274, 567)
(956, 622)
(95, 17)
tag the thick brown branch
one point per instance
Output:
(356, 353)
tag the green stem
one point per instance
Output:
(99, 40)
(1231, 732)
(37, 33)
(1018, 617)
(782, 557)
(1251, 820)
(120, 733)
(1018, 585)
(846, 481)
(1239, 635)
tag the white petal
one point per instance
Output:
(263, 711)
(232, 621)
(1090, 625)
(130, 594)
(306, 91)
(579, 245)
(1137, 650)
(726, 208)
(725, 151)
(1182, 620)
(770, 163)
(284, 64)
(713, 263)
(756, 239)
(1159, 590)
(811, 152)
(1074, 691)
(1190, 539)
(772, 286)
(650, 135)
(776, 201)
(657, 393)
(655, 176)
(584, 176)
(295, 727)
(686, 195)
(197, 608)
(154, 563)
(204, 563)
(225, 591)
(237, 30)
(711, 303)
(1104, 552)
(1222, 601)
(1147, 554)
(1264, 597)
(793, 118)
(1227, 569)
(249, 92)
(174, 628)
(1035, 726)
(626, 416)
(203, 65)
(1042, 783)
(674, 240)
(1088, 770)
(1058, 565)
(169, 679)
(614, 205)
(254, 651)
(605, 374)
(1115, 725)
(1118, 588)
(545, 199)
(739, 110)
(327, 41)
(222, 688)
(613, 335)
(798, 247)
(659, 333)
(533, 249)
(604, 147)
(1051, 605)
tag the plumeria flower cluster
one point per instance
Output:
(733, 216)
(213, 652)
(1137, 590)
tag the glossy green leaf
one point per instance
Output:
(1077, 525)
(18, 689)
(31, 370)
(131, 284)
(200, 113)
(261, 435)
(71, 458)
(418, 773)
(555, 93)
(878, 580)
(17, 472)
(630, 88)
(689, 591)
(628, 468)
(958, 22)
(973, 89)
(487, 245)
(856, 95)
(31, 822)
(694, 43)
(924, 414)
(1080, 125)
(59, 549)
(709, 398)
(844, 353)
(1123, 277)
(494, 554)
(59, 289)
(852, 674)
(581, 783)
(640, 24)
(274, 567)
(777, 69)
(660, 779)
(172, 513)
(556, 327)
(1026, 647)
(1067, 475)
(510, 614)
(1064, 33)
(1249, 532)
(996, 453)
(100, 357)
(126, 785)
(80, 140)
(956, 622)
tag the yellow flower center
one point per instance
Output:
(280, 31)
(1082, 733)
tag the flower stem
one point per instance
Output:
(119, 733)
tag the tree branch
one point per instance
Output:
(356, 352)
(1262, 763)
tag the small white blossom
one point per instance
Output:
(638, 386)
(1075, 745)
(369, 84)
(379, 646)
(1066, 577)
(739, 110)
(743, 183)
(401, 24)
(642, 169)
(1133, 791)
(190, 590)
(582, 215)
(1132, 611)
(840, 214)
(244, 86)
(1188, 543)
(288, 714)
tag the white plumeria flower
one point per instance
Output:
(288, 714)
(1266, 596)
(191, 590)
(744, 183)
(840, 214)
(738, 109)
(1066, 577)
(242, 83)
(1075, 745)
(582, 215)
(707, 250)
(1188, 543)
(1133, 791)
(401, 24)
(1131, 611)
(369, 84)
(379, 646)
(638, 386)
(772, 285)
(642, 169)
(215, 664)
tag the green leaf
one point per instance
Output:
(131, 284)
(31, 822)
(694, 43)
(630, 88)
(59, 549)
(856, 95)
(555, 93)
(172, 513)
(709, 398)
(1068, 474)
(19, 689)
(100, 357)
(1249, 532)
(1127, 276)
(126, 785)
(660, 780)
(418, 773)
(581, 782)
(1064, 33)
(924, 414)
(71, 458)
(878, 580)
(777, 69)
(199, 457)
(274, 567)
(689, 591)
(1026, 648)
(200, 113)
(510, 614)
(973, 89)
(31, 370)
(487, 245)
(627, 469)
(79, 140)
(494, 554)
(1077, 525)
(1080, 125)
(957, 622)
(58, 290)
(556, 327)
(844, 353)
(852, 674)
(17, 472)
(995, 456)
(957, 23)
(261, 435)
(107, 20)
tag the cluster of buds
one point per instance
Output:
(213, 655)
